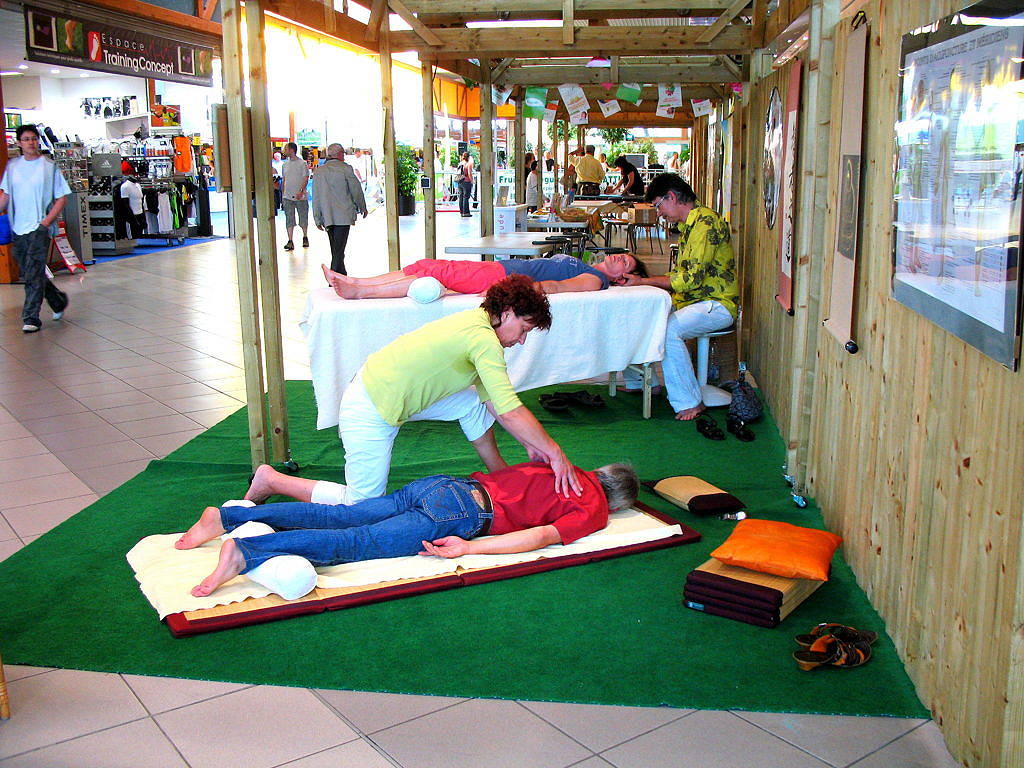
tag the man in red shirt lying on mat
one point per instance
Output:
(557, 274)
(438, 515)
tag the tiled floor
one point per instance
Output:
(147, 357)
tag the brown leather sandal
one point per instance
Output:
(839, 631)
(829, 650)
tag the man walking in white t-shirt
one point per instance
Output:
(295, 176)
(34, 191)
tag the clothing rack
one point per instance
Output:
(166, 184)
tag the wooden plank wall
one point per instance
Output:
(916, 443)
(768, 350)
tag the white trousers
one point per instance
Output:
(368, 439)
(686, 323)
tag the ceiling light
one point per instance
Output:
(599, 61)
(23, 66)
(54, 71)
(10, 73)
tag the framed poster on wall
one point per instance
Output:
(958, 172)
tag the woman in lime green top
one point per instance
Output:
(705, 293)
(430, 374)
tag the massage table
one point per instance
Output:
(166, 575)
(592, 333)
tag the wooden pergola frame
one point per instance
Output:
(703, 45)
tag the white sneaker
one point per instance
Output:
(58, 315)
(29, 328)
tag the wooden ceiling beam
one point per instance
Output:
(461, 67)
(590, 41)
(418, 27)
(378, 16)
(681, 119)
(597, 8)
(710, 33)
(627, 74)
(568, 22)
(499, 70)
(310, 13)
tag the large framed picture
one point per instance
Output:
(957, 186)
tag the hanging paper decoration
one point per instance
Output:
(669, 95)
(574, 98)
(534, 101)
(665, 111)
(609, 108)
(499, 94)
(629, 92)
(701, 107)
(579, 118)
(549, 112)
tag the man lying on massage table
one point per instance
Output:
(558, 274)
(438, 515)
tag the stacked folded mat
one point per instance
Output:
(737, 593)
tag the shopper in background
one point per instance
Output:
(276, 169)
(34, 191)
(337, 198)
(295, 176)
(589, 172)
(465, 177)
(534, 188)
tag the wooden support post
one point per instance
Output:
(486, 191)
(241, 204)
(429, 194)
(520, 158)
(565, 148)
(581, 136)
(811, 226)
(540, 149)
(266, 240)
(390, 159)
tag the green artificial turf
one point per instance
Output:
(613, 632)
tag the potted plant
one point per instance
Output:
(408, 174)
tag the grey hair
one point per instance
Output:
(620, 485)
(335, 150)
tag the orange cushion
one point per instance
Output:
(781, 549)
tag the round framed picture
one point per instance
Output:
(772, 168)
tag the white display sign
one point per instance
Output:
(579, 118)
(701, 107)
(669, 95)
(609, 108)
(665, 111)
(574, 98)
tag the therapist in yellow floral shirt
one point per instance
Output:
(703, 287)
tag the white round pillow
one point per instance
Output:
(425, 290)
(290, 576)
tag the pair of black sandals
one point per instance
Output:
(559, 402)
(708, 427)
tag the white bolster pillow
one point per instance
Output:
(425, 290)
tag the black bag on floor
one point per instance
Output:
(745, 405)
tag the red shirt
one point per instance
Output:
(524, 496)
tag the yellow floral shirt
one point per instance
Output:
(706, 267)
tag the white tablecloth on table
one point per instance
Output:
(592, 333)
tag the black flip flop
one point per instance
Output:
(739, 428)
(554, 403)
(582, 397)
(707, 427)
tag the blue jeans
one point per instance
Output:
(387, 526)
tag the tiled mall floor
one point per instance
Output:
(146, 358)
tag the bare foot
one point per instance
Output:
(262, 484)
(344, 286)
(208, 527)
(690, 413)
(229, 565)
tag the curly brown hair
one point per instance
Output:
(520, 294)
